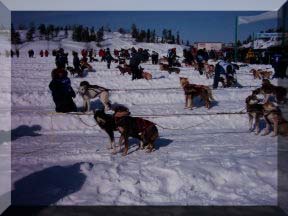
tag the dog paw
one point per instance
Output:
(124, 154)
(274, 135)
(150, 150)
(265, 134)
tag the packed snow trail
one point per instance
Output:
(58, 160)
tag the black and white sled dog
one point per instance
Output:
(107, 123)
(89, 92)
(255, 112)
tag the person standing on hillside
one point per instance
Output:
(46, 53)
(154, 57)
(17, 53)
(134, 64)
(171, 56)
(76, 64)
(108, 58)
(61, 59)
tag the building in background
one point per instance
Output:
(217, 46)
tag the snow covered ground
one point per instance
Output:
(201, 159)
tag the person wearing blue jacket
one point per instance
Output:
(222, 68)
(62, 92)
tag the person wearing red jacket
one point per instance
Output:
(102, 54)
(84, 53)
(116, 53)
(46, 53)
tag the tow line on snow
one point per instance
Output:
(163, 127)
(242, 112)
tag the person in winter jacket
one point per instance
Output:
(46, 53)
(154, 57)
(205, 55)
(62, 92)
(41, 53)
(84, 53)
(90, 54)
(17, 53)
(134, 64)
(12, 53)
(108, 58)
(188, 57)
(102, 55)
(116, 53)
(76, 63)
(61, 59)
(171, 55)
(280, 64)
(222, 68)
(200, 60)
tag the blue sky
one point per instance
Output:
(193, 25)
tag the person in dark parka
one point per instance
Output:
(108, 58)
(154, 57)
(76, 63)
(134, 64)
(17, 53)
(61, 59)
(62, 92)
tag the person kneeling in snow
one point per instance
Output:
(227, 69)
(62, 92)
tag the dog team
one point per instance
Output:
(145, 131)
(268, 109)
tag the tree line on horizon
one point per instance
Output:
(81, 33)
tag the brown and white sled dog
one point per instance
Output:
(165, 67)
(273, 118)
(89, 92)
(138, 128)
(267, 89)
(255, 112)
(193, 90)
(258, 74)
(146, 75)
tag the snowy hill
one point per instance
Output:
(201, 157)
(112, 40)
